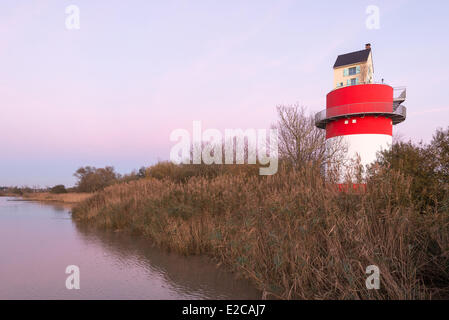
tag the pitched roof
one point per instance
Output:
(353, 57)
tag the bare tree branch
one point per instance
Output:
(302, 143)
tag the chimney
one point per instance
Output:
(368, 46)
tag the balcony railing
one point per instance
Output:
(359, 83)
(396, 112)
(399, 95)
(399, 114)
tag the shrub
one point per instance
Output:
(182, 173)
(426, 165)
(91, 179)
(58, 189)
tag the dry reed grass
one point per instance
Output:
(295, 236)
(68, 198)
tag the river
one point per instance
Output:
(38, 242)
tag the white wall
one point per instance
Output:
(366, 145)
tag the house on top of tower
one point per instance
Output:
(354, 68)
(360, 112)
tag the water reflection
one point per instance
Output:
(186, 275)
(38, 241)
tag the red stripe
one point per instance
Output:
(363, 125)
(359, 94)
(360, 108)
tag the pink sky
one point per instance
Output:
(111, 92)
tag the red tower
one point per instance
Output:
(361, 112)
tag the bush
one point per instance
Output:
(426, 165)
(91, 179)
(182, 173)
(58, 189)
(16, 191)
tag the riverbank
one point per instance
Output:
(294, 236)
(65, 198)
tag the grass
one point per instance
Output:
(67, 198)
(292, 234)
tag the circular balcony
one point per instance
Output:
(397, 113)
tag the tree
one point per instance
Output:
(425, 165)
(142, 172)
(91, 179)
(439, 148)
(60, 188)
(301, 143)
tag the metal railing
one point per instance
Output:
(399, 93)
(401, 111)
(360, 83)
(386, 108)
(399, 96)
(355, 108)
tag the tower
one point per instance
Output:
(358, 109)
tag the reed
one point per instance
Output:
(68, 198)
(294, 235)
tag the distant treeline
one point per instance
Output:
(89, 179)
(24, 190)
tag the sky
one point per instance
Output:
(112, 91)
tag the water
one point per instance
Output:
(38, 241)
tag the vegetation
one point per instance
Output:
(91, 179)
(16, 191)
(58, 189)
(295, 234)
(291, 233)
(301, 143)
(426, 165)
(67, 198)
(182, 173)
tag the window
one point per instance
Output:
(354, 121)
(353, 81)
(351, 71)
